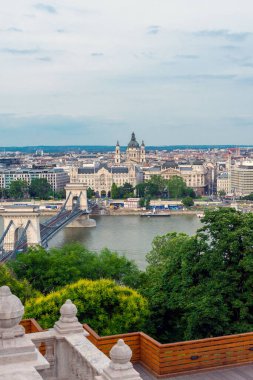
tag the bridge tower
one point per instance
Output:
(18, 221)
(76, 192)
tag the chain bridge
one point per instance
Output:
(23, 227)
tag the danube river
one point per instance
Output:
(128, 235)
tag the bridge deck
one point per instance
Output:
(47, 230)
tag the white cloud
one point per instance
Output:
(146, 63)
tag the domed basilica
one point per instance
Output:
(135, 152)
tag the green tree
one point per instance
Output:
(49, 270)
(40, 188)
(105, 306)
(21, 289)
(222, 193)
(126, 191)
(90, 193)
(189, 192)
(248, 197)
(176, 187)
(140, 189)
(18, 189)
(188, 201)
(201, 286)
(114, 191)
(60, 194)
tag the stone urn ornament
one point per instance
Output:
(11, 313)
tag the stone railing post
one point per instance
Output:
(68, 322)
(120, 366)
(76, 356)
(18, 355)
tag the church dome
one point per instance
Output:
(133, 143)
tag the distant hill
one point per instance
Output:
(105, 148)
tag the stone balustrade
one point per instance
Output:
(68, 354)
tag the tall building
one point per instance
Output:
(242, 178)
(117, 154)
(56, 177)
(135, 153)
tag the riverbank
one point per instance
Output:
(126, 212)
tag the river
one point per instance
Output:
(128, 235)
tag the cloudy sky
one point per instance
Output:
(91, 72)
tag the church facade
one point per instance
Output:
(135, 153)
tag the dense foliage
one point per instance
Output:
(188, 201)
(157, 186)
(90, 193)
(21, 289)
(248, 197)
(18, 189)
(106, 307)
(202, 286)
(40, 188)
(48, 270)
(122, 192)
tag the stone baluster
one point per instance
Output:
(50, 351)
(120, 366)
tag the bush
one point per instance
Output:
(105, 306)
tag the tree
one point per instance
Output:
(189, 192)
(155, 186)
(49, 270)
(176, 187)
(248, 197)
(114, 191)
(126, 191)
(105, 306)
(60, 194)
(188, 202)
(90, 193)
(201, 286)
(222, 193)
(40, 188)
(140, 189)
(18, 189)
(21, 289)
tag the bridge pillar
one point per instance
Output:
(20, 216)
(73, 191)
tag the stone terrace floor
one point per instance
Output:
(237, 373)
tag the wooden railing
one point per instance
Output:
(171, 359)
(31, 326)
(177, 358)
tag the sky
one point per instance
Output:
(91, 72)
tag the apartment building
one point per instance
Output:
(57, 178)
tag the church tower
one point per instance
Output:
(117, 154)
(143, 153)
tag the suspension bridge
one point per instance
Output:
(23, 227)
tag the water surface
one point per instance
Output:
(128, 235)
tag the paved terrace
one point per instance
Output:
(234, 373)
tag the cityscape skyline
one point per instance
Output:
(91, 73)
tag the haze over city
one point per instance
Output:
(91, 72)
